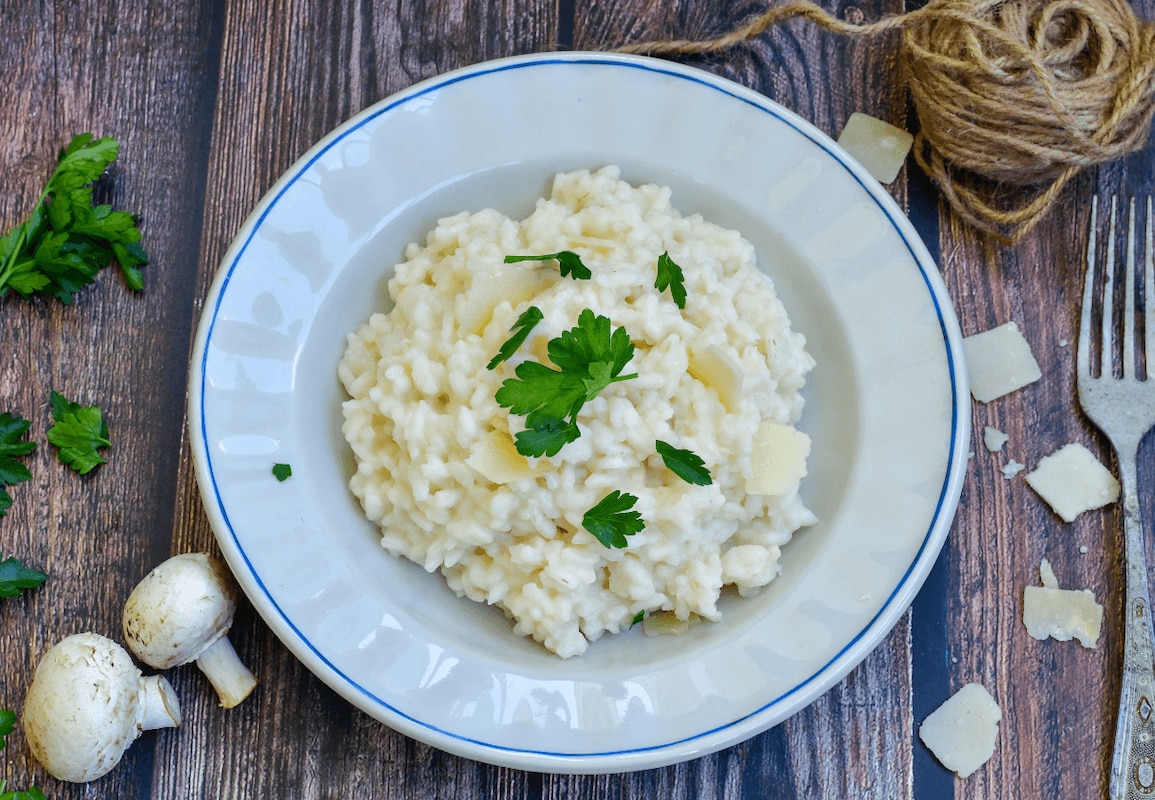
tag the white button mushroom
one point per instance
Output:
(87, 703)
(181, 612)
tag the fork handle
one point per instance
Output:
(1133, 760)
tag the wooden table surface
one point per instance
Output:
(211, 101)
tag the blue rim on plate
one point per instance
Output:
(271, 324)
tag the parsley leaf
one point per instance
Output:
(686, 464)
(15, 578)
(7, 725)
(670, 276)
(569, 262)
(539, 392)
(282, 471)
(67, 240)
(639, 617)
(32, 793)
(611, 520)
(78, 433)
(12, 445)
(589, 358)
(546, 437)
(525, 323)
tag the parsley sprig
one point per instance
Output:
(79, 432)
(12, 445)
(588, 357)
(15, 578)
(67, 240)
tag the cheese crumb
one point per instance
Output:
(994, 439)
(1012, 468)
(1061, 614)
(1000, 362)
(961, 732)
(1072, 481)
(879, 146)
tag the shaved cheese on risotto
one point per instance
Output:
(437, 467)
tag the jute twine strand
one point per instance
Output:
(1014, 97)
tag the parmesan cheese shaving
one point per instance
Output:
(1072, 481)
(961, 733)
(1061, 614)
(999, 362)
(879, 146)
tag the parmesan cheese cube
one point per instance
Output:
(778, 459)
(961, 732)
(1061, 614)
(1072, 481)
(879, 146)
(999, 362)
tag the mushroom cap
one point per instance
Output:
(84, 707)
(180, 608)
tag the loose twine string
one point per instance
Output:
(1014, 97)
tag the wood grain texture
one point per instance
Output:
(136, 75)
(212, 100)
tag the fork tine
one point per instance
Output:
(1148, 296)
(1129, 298)
(1083, 354)
(1106, 344)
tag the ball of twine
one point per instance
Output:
(1013, 97)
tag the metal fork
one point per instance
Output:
(1124, 409)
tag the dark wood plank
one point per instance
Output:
(136, 73)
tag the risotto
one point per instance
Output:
(439, 467)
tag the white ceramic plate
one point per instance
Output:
(887, 410)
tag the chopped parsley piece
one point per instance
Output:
(15, 578)
(639, 617)
(79, 432)
(589, 357)
(686, 464)
(569, 262)
(282, 471)
(670, 276)
(521, 330)
(547, 437)
(611, 520)
(7, 725)
(12, 445)
(32, 793)
(67, 240)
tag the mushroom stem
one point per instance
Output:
(225, 671)
(161, 708)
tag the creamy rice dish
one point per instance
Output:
(438, 466)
